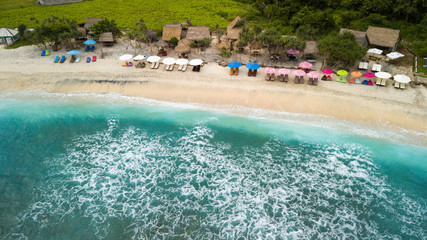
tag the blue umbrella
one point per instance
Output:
(234, 64)
(253, 66)
(89, 42)
(73, 52)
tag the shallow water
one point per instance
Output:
(73, 168)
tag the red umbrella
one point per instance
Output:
(327, 71)
(369, 75)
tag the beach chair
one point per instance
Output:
(286, 78)
(352, 80)
(296, 80)
(301, 79)
(231, 71)
(250, 73)
(324, 78)
(200, 66)
(343, 79)
(130, 64)
(92, 48)
(94, 59)
(378, 82)
(273, 77)
(370, 83)
(402, 86)
(180, 67)
(315, 81)
(384, 82)
(376, 68)
(47, 53)
(310, 81)
(236, 72)
(267, 77)
(280, 77)
(56, 59)
(88, 60)
(254, 73)
(77, 59)
(396, 84)
(166, 67)
(43, 53)
(62, 59)
(365, 82)
(157, 65)
(329, 78)
(152, 65)
(87, 48)
(338, 79)
(72, 59)
(171, 67)
(184, 68)
(357, 81)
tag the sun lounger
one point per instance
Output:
(88, 60)
(286, 78)
(73, 59)
(166, 67)
(370, 83)
(384, 82)
(357, 81)
(296, 80)
(280, 77)
(273, 77)
(363, 65)
(396, 84)
(184, 68)
(365, 82)
(250, 73)
(94, 59)
(92, 48)
(198, 67)
(376, 68)
(301, 79)
(43, 53)
(152, 65)
(254, 73)
(310, 81)
(343, 79)
(171, 67)
(402, 86)
(329, 78)
(62, 59)
(378, 82)
(56, 59)
(77, 59)
(87, 48)
(315, 81)
(180, 67)
(338, 79)
(47, 53)
(157, 65)
(352, 80)
(130, 64)
(235, 72)
(324, 78)
(267, 77)
(231, 71)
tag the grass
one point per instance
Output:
(420, 68)
(125, 12)
(18, 44)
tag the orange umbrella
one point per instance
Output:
(356, 74)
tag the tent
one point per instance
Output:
(8, 35)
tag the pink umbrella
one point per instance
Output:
(306, 65)
(369, 75)
(270, 70)
(298, 73)
(313, 75)
(327, 71)
(293, 52)
(283, 71)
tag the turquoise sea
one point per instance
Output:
(88, 166)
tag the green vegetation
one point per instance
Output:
(14, 4)
(108, 26)
(205, 42)
(225, 52)
(55, 30)
(342, 48)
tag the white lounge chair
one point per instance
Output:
(402, 86)
(167, 67)
(171, 67)
(153, 65)
(77, 59)
(184, 67)
(376, 68)
(396, 84)
(363, 65)
(180, 67)
(157, 65)
(378, 82)
(384, 82)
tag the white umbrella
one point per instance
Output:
(126, 57)
(384, 75)
(139, 57)
(375, 50)
(394, 55)
(196, 62)
(168, 61)
(402, 78)
(153, 59)
(181, 61)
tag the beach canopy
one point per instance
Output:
(7, 32)
(283, 71)
(169, 61)
(375, 51)
(234, 65)
(369, 75)
(306, 65)
(196, 62)
(298, 73)
(384, 75)
(395, 55)
(139, 57)
(125, 57)
(253, 66)
(89, 42)
(342, 73)
(153, 59)
(293, 52)
(181, 61)
(270, 70)
(313, 75)
(401, 78)
(327, 71)
(356, 74)
(73, 52)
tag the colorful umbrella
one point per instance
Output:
(89, 42)
(125, 57)
(73, 52)
(313, 75)
(385, 75)
(234, 65)
(293, 52)
(369, 75)
(283, 71)
(375, 50)
(402, 78)
(270, 70)
(342, 73)
(306, 65)
(395, 55)
(253, 66)
(153, 59)
(327, 71)
(356, 74)
(298, 73)
(196, 62)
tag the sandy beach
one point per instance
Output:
(24, 69)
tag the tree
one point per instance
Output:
(272, 38)
(138, 34)
(22, 28)
(55, 30)
(105, 26)
(342, 48)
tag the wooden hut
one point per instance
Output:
(384, 38)
(106, 38)
(90, 21)
(233, 31)
(311, 50)
(183, 47)
(151, 35)
(360, 36)
(170, 31)
(8, 35)
(198, 33)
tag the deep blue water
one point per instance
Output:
(77, 169)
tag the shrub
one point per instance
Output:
(174, 40)
(225, 52)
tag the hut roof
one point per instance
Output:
(383, 37)
(256, 45)
(170, 31)
(106, 37)
(161, 43)
(151, 33)
(233, 32)
(183, 46)
(311, 47)
(90, 21)
(223, 44)
(83, 31)
(198, 33)
(360, 36)
(7, 32)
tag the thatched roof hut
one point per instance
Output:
(198, 33)
(360, 36)
(383, 37)
(183, 46)
(83, 31)
(90, 21)
(311, 49)
(223, 44)
(255, 45)
(233, 32)
(161, 44)
(170, 31)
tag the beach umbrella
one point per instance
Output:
(306, 65)
(89, 42)
(181, 61)
(125, 57)
(73, 52)
(283, 71)
(270, 70)
(293, 52)
(384, 75)
(313, 75)
(153, 59)
(375, 50)
(196, 62)
(342, 73)
(139, 57)
(168, 61)
(253, 66)
(234, 65)
(401, 78)
(298, 73)
(327, 71)
(356, 74)
(369, 75)
(395, 55)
